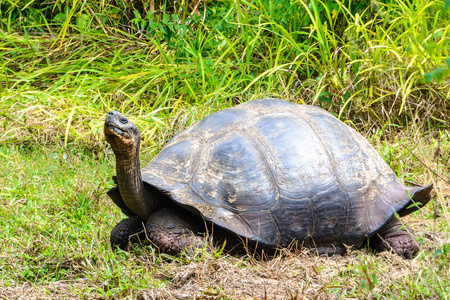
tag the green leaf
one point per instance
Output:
(149, 15)
(447, 60)
(166, 18)
(82, 21)
(59, 18)
(374, 279)
(446, 5)
(429, 77)
(437, 74)
(153, 25)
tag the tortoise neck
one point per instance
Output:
(132, 189)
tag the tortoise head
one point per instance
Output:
(120, 133)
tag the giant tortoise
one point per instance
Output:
(267, 171)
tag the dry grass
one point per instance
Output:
(286, 276)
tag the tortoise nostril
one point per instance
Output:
(110, 113)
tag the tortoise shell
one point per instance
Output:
(273, 171)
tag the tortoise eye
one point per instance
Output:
(123, 120)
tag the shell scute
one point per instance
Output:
(298, 160)
(232, 175)
(174, 165)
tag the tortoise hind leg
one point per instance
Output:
(395, 236)
(173, 230)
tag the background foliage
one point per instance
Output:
(380, 66)
(369, 62)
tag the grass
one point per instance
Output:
(56, 218)
(380, 67)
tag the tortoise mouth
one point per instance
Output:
(112, 130)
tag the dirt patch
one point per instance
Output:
(67, 290)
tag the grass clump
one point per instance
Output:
(381, 67)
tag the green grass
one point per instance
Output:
(381, 67)
(55, 220)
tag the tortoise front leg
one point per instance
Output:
(115, 196)
(397, 237)
(130, 230)
(173, 230)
